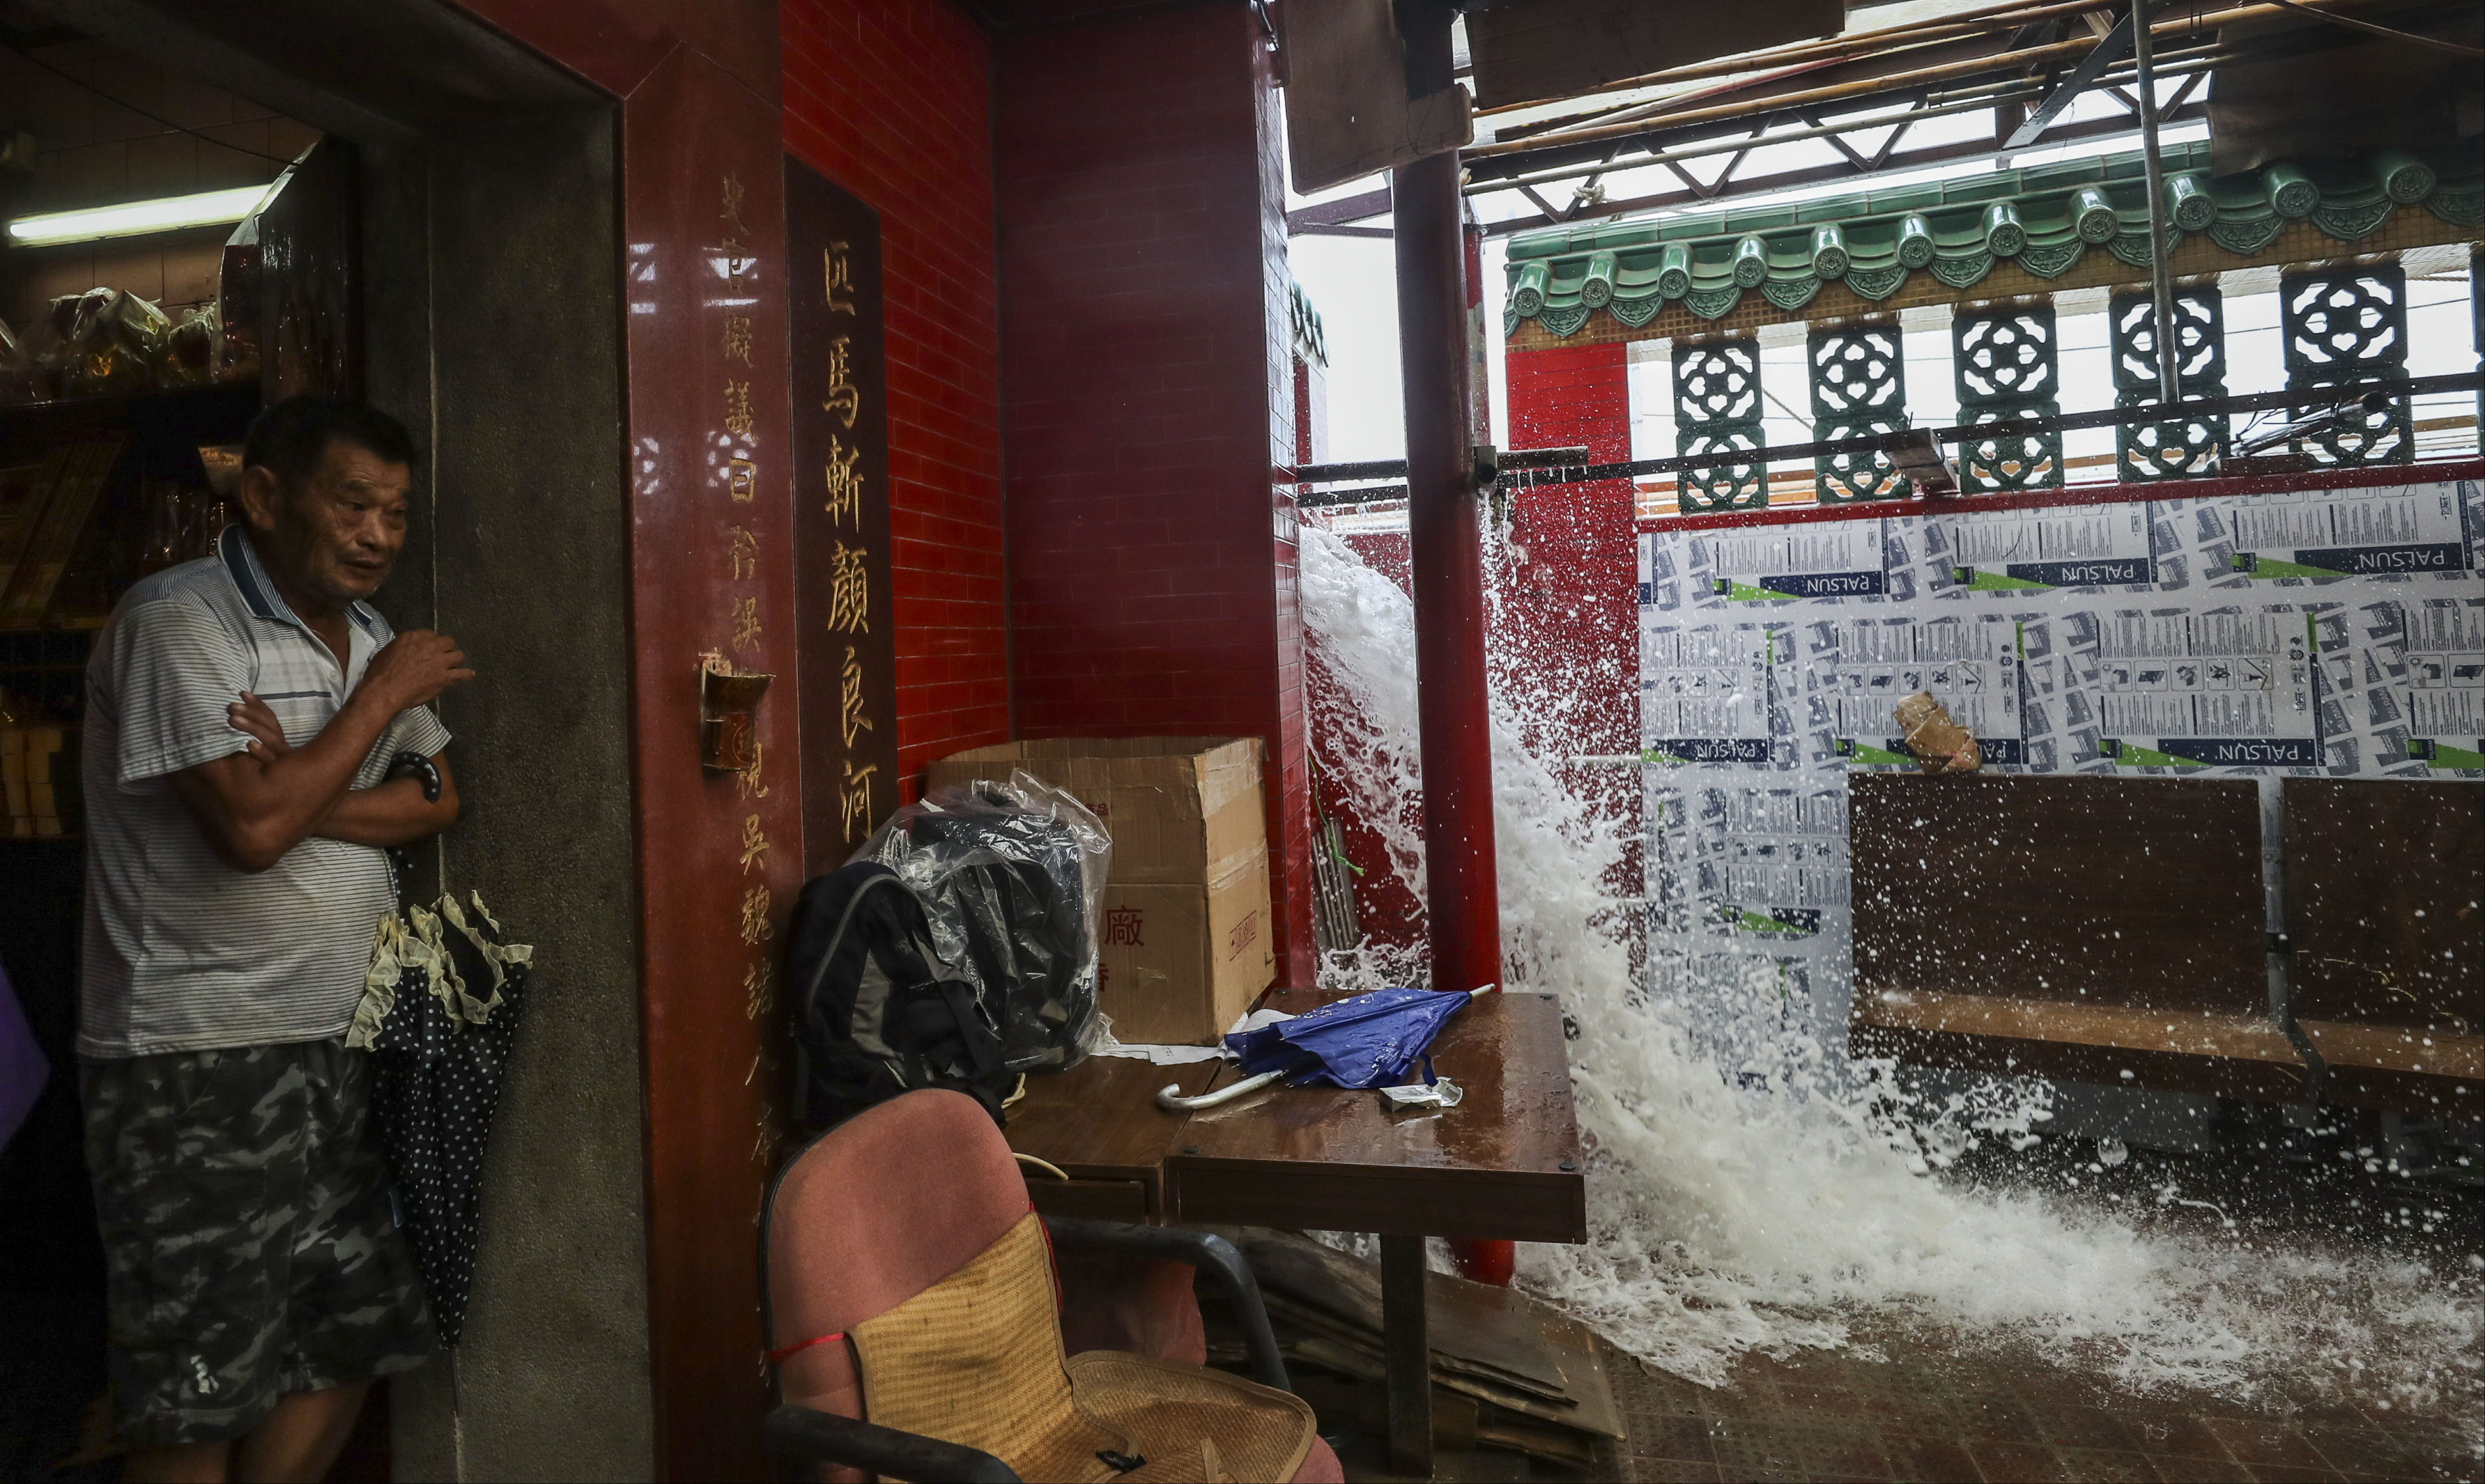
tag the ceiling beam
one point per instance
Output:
(1330, 214)
(1937, 155)
(2106, 53)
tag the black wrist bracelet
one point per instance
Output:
(414, 765)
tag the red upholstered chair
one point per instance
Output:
(890, 1202)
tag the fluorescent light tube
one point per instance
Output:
(137, 219)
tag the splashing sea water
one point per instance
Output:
(1750, 1192)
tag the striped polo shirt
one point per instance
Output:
(184, 953)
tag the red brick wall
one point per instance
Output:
(1573, 605)
(1147, 383)
(893, 100)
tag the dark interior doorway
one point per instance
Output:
(448, 249)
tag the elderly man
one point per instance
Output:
(244, 715)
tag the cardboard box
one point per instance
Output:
(1186, 941)
(1181, 809)
(1180, 963)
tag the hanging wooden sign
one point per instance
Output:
(838, 389)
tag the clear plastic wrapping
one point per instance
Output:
(1012, 878)
(237, 296)
(111, 340)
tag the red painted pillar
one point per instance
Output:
(1570, 606)
(1463, 895)
(1462, 898)
(1481, 1260)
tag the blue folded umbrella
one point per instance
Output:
(1368, 1040)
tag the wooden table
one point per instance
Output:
(1503, 1163)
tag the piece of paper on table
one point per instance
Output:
(1443, 1094)
(1162, 1056)
(1178, 1056)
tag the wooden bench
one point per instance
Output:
(2115, 931)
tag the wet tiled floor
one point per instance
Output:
(1928, 1414)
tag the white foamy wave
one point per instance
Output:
(1749, 1190)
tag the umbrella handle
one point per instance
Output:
(1171, 1100)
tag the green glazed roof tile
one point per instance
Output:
(2042, 210)
(1310, 338)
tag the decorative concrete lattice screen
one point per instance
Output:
(2167, 450)
(2010, 370)
(2339, 325)
(1859, 387)
(2346, 325)
(1717, 410)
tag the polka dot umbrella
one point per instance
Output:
(439, 1015)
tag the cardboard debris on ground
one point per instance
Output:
(1508, 1370)
(1939, 743)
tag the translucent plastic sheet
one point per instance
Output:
(1012, 877)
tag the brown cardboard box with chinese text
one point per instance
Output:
(1180, 963)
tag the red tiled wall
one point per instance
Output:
(1147, 377)
(893, 100)
(1573, 610)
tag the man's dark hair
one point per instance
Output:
(291, 438)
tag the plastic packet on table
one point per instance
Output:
(191, 350)
(111, 342)
(1012, 878)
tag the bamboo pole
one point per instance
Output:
(1656, 106)
(2185, 65)
(2025, 56)
(1854, 46)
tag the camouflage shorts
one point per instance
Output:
(248, 1238)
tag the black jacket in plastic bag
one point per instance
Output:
(957, 948)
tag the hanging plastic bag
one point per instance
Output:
(1012, 878)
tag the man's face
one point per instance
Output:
(335, 539)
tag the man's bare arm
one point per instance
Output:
(253, 807)
(391, 814)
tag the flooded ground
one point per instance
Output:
(1908, 1404)
(1761, 1206)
